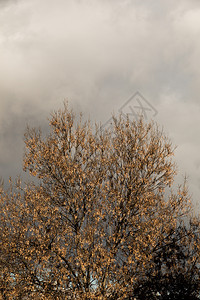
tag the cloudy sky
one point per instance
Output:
(97, 54)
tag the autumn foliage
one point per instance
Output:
(102, 221)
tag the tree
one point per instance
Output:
(92, 226)
(174, 273)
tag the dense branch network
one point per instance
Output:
(98, 225)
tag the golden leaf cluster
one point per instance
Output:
(98, 216)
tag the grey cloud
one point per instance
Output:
(96, 54)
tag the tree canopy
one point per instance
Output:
(98, 224)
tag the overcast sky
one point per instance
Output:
(97, 54)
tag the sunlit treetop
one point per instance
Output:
(91, 227)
